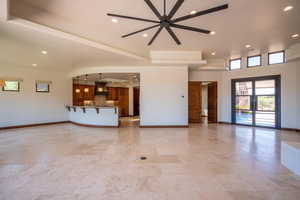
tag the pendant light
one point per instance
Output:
(77, 90)
(86, 90)
(101, 88)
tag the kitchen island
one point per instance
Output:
(94, 116)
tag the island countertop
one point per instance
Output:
(92, 106)
(96, 116)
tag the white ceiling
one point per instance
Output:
(22, 47)
(261, 23)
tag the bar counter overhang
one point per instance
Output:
(94, 116)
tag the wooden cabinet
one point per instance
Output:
(113, 94)
(82, 93)
(89, 92)
(121, 96)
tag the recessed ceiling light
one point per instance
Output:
(145, 35)
(212, 33)
(295, 35)
(193, 12)
(248, 46)
(213, 53)
(44, 52)
(34, 65)
(288, 8)
(114, 20)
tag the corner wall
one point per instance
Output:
(29, 107)
(164, 97)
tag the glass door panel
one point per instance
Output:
(265, 103)
(266, 87)
(243, 88)
(265, 92)
(244, 117)
(243, 102)
(265, 119)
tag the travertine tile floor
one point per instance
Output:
(203, 162)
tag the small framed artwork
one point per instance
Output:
(43, 87)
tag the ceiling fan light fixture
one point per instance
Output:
(193, 12)
(288, 8)
(145, 35)
(213, 53)
(247, 46)
(168, 21)
(295, 36)
(114, 20)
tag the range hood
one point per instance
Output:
(100, 89)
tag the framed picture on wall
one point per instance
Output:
(42, 87)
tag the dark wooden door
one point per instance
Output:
(212, 104)
(136, 101)
(123, 102)
(195, 101)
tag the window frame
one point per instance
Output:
(274, 52)
(4, 90)
(36, 88)
(260, 61)
(234, 60)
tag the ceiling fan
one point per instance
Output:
(166, 20)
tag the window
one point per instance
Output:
(254, 61)
(235, 64)
(42, 87)
(276, 57)
(13, 86)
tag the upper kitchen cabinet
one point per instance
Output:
(113, 94)
(82, 93)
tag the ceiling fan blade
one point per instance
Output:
(175, 8)
(173, 35)
(155, 35)
(204, 12)
(124, 36)
(149, 3)
(134, 18)
(190, 28)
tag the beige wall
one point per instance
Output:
(29, 107)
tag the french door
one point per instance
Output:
(256, 101)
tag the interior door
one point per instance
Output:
(123, 102)
(212, 104)
(195, 90)
(256, 101)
